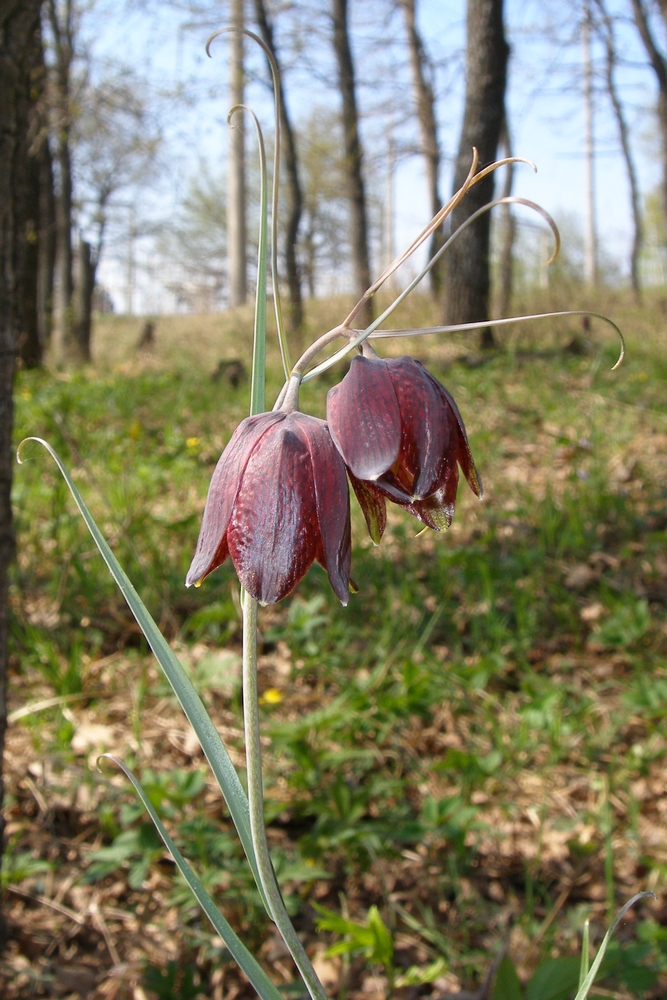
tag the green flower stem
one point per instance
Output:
(317, 346)
(256, 802)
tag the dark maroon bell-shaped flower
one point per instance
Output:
(402, 438)
(278, 501)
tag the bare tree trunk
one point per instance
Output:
(389, 230)
(60, 21)
(64, 310)
(624, 135)
(30, 347)
(590, 229)
(428, 128)
(31, 342)
(507, 231)
(294, 185)
(88, 258)
(309, 259)
(467, 278)
(236, 197)
(19, 34)
(83, 300)
(353, 163)
(47, 245)
(659, 64)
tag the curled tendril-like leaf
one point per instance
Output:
(461, 327)
(258, 382)
(282, 336)
(343, 329)
(356, 341)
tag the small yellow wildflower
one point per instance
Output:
(272, 696)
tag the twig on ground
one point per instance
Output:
(52, 904)
(100, 923)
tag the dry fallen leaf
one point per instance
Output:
(92, 736)
(591, 612)
(579, 577)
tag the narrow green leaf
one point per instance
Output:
(416, 975)
(238, 950)
(331, 921)
(383, 945)
(585, 953)
(277, 304)
(555, 979)
(507, 985)
(216, 754)
(595, 967)
(258, 381)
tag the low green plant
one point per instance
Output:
(374, 940)
(173, 982)
(20, 865)
(137, 848)
(632, 966)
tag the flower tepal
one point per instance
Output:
(402, 438)
(278, 501)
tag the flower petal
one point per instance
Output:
(364, 418)
(465, 458)
(373, 506)
(212, 549)
(437, 511)
(273, 532)
(332, 498)
(426, 427)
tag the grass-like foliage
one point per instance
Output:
(476, 739)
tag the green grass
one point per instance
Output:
(479, 735)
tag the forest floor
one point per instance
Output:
(476, 746)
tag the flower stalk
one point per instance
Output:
(265, 871)
(355, 339)
(256, 802)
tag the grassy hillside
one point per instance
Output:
(475, 745)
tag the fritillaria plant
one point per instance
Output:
(279, 500)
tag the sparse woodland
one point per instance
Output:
(466, 763)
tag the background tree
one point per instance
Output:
(353, 163)
(590, 220)
(115, 143)
(659, 65)
(63, 22)
(325, 226)
(19, 43)
(607, 31)
(197, 238)
(291, 163)
(104, 140)
(422, 82)
(40, 232)
(506, 231)
(467, 282)
(236, 189)
(193, 249)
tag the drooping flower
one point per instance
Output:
(278, 501)
(402, 438)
